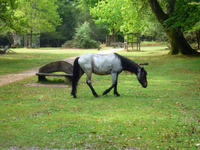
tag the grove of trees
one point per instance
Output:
(58, 21)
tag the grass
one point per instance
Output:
(22, 59)
(165, 115)
(153, 43)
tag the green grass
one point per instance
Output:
(165, 115)
(22, 59)
(152, 43)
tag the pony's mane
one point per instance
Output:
(128, 64)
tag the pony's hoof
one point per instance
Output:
(96, 95)
(117, 94)
(74, 96)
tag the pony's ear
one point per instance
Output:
(142, 69)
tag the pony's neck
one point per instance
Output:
(129, 65)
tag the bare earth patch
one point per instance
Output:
(10, 78)
(46, 85)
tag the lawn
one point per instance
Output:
(22, 58)
(165, 115)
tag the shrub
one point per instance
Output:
(68, 44)
(82, 37)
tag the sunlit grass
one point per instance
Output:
(165, 115)
(149, 51)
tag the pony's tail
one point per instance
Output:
(77, 73)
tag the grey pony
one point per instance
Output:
(104, 64)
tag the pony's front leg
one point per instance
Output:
(114, 85)
(115, 81)
(88, 81)
(115, 90)
(108, 90)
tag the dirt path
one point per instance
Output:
(10, 78)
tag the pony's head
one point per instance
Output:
(141, 75)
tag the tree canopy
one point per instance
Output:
(39, 16)
(7, 8)
(175, 16)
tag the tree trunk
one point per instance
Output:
(16, 40)
(14, 35)
(25, 41)
(178, 43)
(31, 39)
(108, 40)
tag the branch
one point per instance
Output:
(157, 10)
(170, 6)
(145, 63)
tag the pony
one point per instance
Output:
(104, 64)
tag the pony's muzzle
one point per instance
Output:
(144, 84)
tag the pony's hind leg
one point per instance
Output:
(88, 81)
(74, 85)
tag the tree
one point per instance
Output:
(38, 16)
(108, 13)
(126, 16)
(69, 15)
(98, 31)
(175, 16)
(174, 28)
(73, 15)
(133, 18)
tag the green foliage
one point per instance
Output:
(154, 29)
(73, 14)
(197, 23)
(7, 8)
(98, 32)
(69, 14)
(108, 12)
(82, 37)
(185, 15)
(133, 17)
(127, 16)
(68, 44)
(65, 30)
(40, 16)
(52, 39)
(24, 16)
(87, 3)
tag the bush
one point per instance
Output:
(68, 44)
(82, 37)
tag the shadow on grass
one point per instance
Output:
(52, 80)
